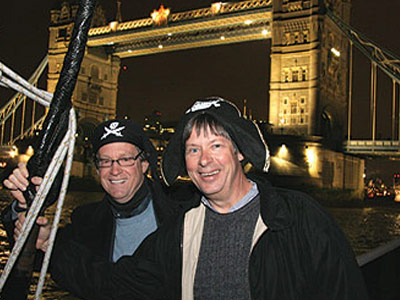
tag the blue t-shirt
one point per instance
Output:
(130, 232)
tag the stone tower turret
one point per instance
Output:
(309, 70)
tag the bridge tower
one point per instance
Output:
(95, 94)
(309, 70)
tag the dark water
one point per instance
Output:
(367, 226)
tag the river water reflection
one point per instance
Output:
(367, 226)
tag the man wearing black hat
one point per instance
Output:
(133, 206)
(241, 239)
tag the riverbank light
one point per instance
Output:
(311, 156)
(283, 152)
(312, 161)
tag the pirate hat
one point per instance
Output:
(244, 133)
(114, 131)
(124, 131)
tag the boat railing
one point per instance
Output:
(381, 270)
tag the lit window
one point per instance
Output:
(286, 76)
(293, 108)
(303, 74)
(295, 75)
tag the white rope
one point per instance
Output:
(66, 146)
(38, 95)
(70, 143)
(25, 85)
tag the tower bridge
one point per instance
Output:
(310, 88)
(308, 84)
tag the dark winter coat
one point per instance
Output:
(93, 225)
(302, 254)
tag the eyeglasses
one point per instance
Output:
(123, 161)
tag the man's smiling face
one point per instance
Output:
(214, 166)
(121, 183)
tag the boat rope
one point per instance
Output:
(10, 79)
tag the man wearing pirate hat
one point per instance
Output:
(133, 206)
(241, 238)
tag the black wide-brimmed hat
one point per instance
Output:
(245, 133)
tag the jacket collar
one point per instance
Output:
(273, 207)
(133, 207)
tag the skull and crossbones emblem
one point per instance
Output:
(200, 105)
(113, 129)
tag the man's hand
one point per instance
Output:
(17, 182)
(44, 232)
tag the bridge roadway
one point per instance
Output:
(372, 147)
(219, 24)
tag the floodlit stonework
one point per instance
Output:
(309, 70)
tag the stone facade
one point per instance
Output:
(304, 161)
(308, 82)
(309, 65)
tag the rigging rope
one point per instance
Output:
(65, 149)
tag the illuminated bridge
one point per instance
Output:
(310, 89)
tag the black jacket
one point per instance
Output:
(93, 225)
(302, 255)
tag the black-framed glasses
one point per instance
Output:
(123, 161)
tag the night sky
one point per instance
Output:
(170, 82)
